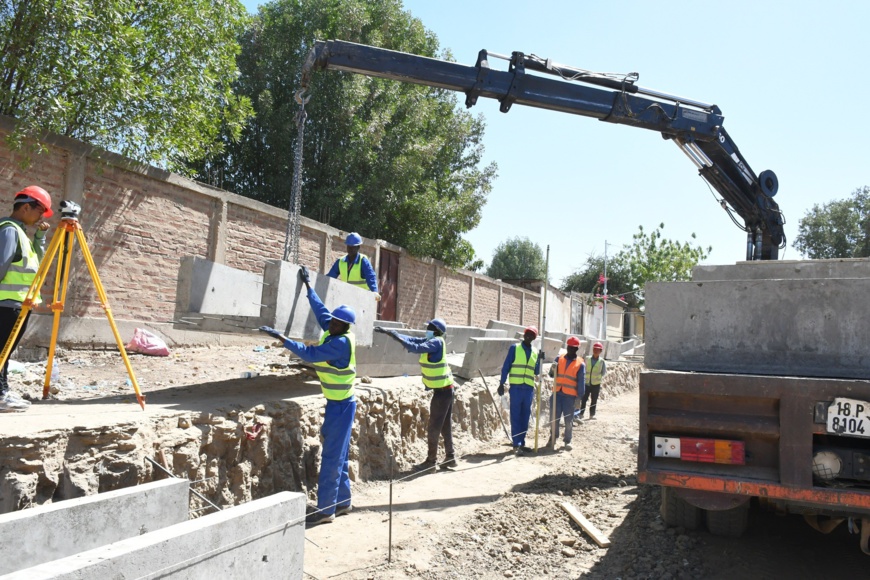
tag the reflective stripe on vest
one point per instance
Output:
(21, 274)
(355, 275)
(593, 372)
(336, 383)
(436, 375)
(523, 371)
(566, 376)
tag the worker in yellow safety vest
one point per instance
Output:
(437, 378)
(334, 359)
(569, 372)
(595, 370)
(19, 262)
(521, 365)
(355, 268)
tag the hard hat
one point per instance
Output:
(344, 313)
(598, 346)
(439, 324)
(532, 329)
(573, 341)
(37, 194)
(353, 239)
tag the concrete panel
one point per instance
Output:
(260, 539)
(785, 270)
(486, 354)
(53, 531)
(286, 304)
(813, 328)
(210, 288)
(386, 357)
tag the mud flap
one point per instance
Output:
(825, 526)
(865, 535)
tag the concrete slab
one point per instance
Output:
(210, 288)
(785, 270)
(486, 354)
(49, 532)
(260, 539)
(386, 357)
(813, 328)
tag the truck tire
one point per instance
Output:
(730, 523)
(678, 512)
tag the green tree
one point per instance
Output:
(390, 160)
(150, 80)
(649, 258)
(837, 229)
(517, 259)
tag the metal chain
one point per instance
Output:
(294, 230)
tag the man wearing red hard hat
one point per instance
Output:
(521, 365)
(595, 369)
(19, 262)
(569, 372)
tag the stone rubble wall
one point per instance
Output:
(213, 451)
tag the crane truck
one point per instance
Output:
(744, 408)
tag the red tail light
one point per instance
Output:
(722, 451)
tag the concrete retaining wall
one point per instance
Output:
(50, 532)
(261, 539)
(785, 270)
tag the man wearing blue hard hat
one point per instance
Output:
(355, 268)
(436, 377)
(334, 359)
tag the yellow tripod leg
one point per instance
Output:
(61, 280)
(104, 302)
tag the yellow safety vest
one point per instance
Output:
(355, 275)
(436, 375)
(523, 371)
(21, 274)
(336, 383)
(593, 373)
(566, 376)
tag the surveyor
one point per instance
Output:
(334, 360)
(569, 372)
(355, 268)
(523, 364)
(595, 370)
(19, 262)
(437, 378)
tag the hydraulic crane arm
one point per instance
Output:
(694, 126)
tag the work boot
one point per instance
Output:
(450, 463)
(343, 510)
(12, 403)
(425, 466)
(567, 447)
(318, 518)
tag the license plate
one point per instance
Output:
(849, 417)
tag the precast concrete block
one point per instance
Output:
(794, 327)
(49, 532)
(286, 305)
(386, 357)
(209, 288)
(785, 270)
(260, 539)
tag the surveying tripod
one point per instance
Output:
(68, 230)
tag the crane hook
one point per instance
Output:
(301, 98)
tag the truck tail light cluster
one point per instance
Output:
(722, 451)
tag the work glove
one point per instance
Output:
(501, 390)
(271, 332)
(380, 329)
(304, 275)
(377, 297)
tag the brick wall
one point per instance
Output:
(140, 221)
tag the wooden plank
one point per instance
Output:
(587, 526)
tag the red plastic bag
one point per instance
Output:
(147, 343)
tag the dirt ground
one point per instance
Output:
(497, 515)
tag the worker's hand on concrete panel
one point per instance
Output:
(500, 390)
(271, 332)
(380, 329)
(304, 275)
(377, 297)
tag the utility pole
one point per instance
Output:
(604, 314)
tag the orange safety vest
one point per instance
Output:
(566, 376)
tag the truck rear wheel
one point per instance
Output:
(730, 523)
(678, 512)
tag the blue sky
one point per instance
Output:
(790, 78)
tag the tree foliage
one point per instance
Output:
(390, 160)
(649, 258)
(148, 79)
(837, 229)
(517, 259)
